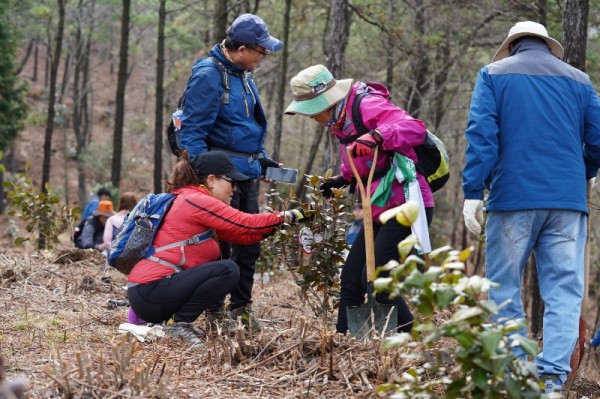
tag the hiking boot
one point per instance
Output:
(248, 319)
(552, 384)
(186, 331)
(219, 320)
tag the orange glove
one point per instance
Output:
(366, 144)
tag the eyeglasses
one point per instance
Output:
(263, 53)
(229, 179)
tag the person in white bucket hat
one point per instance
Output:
(531, 29)
(533, 140)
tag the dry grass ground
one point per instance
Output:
(59, 330)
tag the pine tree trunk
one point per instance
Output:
(419, 63)
(283, 83)
(341, 19)
(51, 102)
(25, 57)
(575, 20)
(120, 99)
(81, 92)
(158, 120)
(34, 76)
(52, 95)
(220, 21)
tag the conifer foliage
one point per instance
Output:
(12, 105)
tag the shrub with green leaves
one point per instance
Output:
(43, 212)
(317, 272)
(484, 360)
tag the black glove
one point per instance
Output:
(332, 182)
(265, 163)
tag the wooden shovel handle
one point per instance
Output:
(365, 195)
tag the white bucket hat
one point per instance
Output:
(315, 90)
(528, 28)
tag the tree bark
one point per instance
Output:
(419, 65)
(25, 57)
(158, 120)
(575, 21)
(220, 21)
(34, 76)
(542, 6)
(341, 18)
(51, 101)
(341, 15)
(389, 72)
(120, 99)
(283, 82)
(81, 91)
(52, 95)
(65, 78)
(532, 302)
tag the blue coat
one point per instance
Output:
(533, 133)
(239, 126)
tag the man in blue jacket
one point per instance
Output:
(225, 113)
(533, 139)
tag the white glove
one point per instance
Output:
(473, 214)
(590, 184)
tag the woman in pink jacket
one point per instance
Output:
(204, 187)
(329, 102)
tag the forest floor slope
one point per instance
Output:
(59, 329)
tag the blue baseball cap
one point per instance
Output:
(252, 30)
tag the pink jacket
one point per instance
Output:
(401, 133)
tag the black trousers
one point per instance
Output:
(245, 198)
(184, 295)
(354, 273)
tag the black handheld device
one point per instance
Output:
(281, 174)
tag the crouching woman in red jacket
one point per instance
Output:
(204, 187)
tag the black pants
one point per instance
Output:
(184, 295)
(245, 198)
(354, 276)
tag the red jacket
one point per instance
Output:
(195, 211)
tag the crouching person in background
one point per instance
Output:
(204, 187)
(93, 230)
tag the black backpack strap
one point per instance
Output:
(356, 120)
(356, 116)
(224, 78)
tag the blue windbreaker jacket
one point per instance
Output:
(533, 134)
(239, 126)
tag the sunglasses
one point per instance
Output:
(263, 53)
(229, 179)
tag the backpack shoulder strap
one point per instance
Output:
(194, 240)
(356, 116)
(356, 120)
(224, 78)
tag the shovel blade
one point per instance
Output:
(371, 317)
